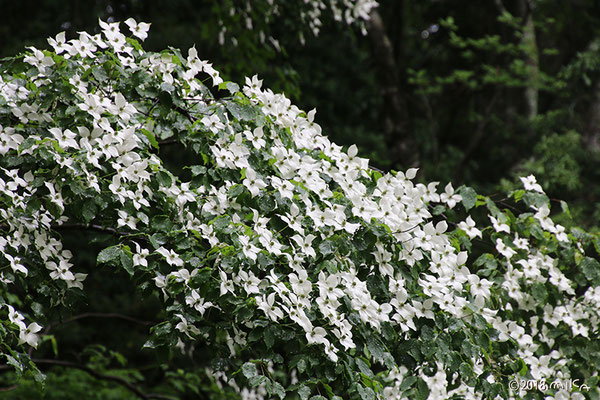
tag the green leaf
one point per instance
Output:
(423, 390)
(469, 197)
(88, 210)
(164, 179)
(304, 392)
(126, 262)
(14, 362)
(591, 269)
(231, 86)
(376, 347)
(269, 336)
(108, 255)
(301, 366)
(535, 199)
(364, 368)
(242, 112)
(235, 191)
(407, 383)
(539, 292)
(257, 380)
(366, 393)
(198, 170)
(266, 204)
(151, 138)
(278, 390)
(326, 247)
(249, 370)
(565, 208)
(99, 73)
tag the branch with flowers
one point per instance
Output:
(305, 272)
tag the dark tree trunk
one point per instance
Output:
(402, 149)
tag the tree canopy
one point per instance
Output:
(266, 261)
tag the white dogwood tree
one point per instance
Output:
(285, 266)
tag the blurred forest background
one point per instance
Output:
(472, 94)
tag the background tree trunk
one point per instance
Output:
(528, 42)
(402, 148)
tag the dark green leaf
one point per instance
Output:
(303, 392)
(591, 269)
(108, 255)
(326, 247)
(249, 370)
(366, 393)
(151, 138)
(257, 380)
(164, 179)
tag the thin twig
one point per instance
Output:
(99, 315)
(93, 227)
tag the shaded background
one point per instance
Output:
(476, 95)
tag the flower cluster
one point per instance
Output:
(277, 242)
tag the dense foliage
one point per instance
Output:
(282, 265)
(478, 95)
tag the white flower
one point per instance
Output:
(186, 328)
(194, 300)
(449, 197)
(468, 226)
(317, 335)
(256, 137)
(60, 271)
(15, 264)
(268, 306)
(139, 30)
(29, 336)
(15, 317)
(171, 257)
(139, 258)
(55, 196)
(253, 184)
(226, 284)
(499, 226)
(530, 183)
(59, 43)
(65, 139)
(249, 250)
(504, 249)
(126, 219)
(305, 244)
(122, 108)
(300, 283)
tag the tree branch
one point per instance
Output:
(186, 113)
(99, 315)
(168, 141)
(93, 227)
(96, 228)
(117, 379)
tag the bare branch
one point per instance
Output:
(93, 227)
(99, 315)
